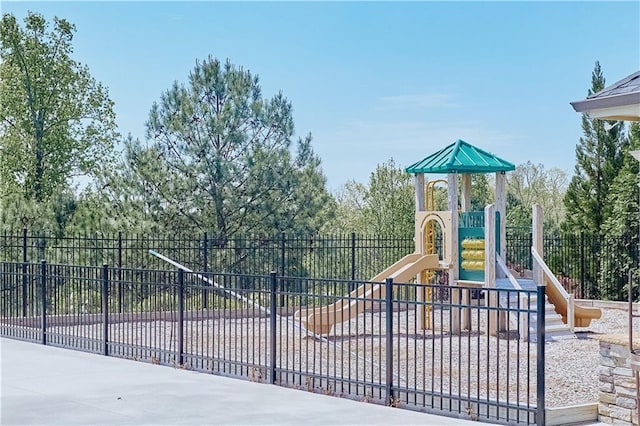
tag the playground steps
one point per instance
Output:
(555, 328)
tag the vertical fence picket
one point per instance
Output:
(43, 299)
(120, 289)
(540, 356)
(389, 340)
(273, 285)
(353, 262)
(105, 309)
(24, 272)
(283, 265)
(205, 263)
(180, 342)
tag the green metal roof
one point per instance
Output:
(461, 157)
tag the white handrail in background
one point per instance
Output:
(554, 280)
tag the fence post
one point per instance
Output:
(540, 356)
(582, 267)
(180, 316)
(24, 244)
(352, 285)
(283, 242)
(529, 255)
(205, 261)
(105, 309)
(24, 271)
(272, 324)
(389, 339)
(43, 299)
(120, 289)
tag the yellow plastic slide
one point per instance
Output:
(320, 320)
(582, 315)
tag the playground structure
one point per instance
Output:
(472, 252)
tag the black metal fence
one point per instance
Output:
(432, 353)
(589, 266)
(339, 257)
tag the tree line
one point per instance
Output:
(219, 156)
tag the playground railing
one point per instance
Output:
(504, 270)
(391, 347)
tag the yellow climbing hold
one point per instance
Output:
(472, 254)
(473, 265)
(473, 243)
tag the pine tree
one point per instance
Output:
(599, 157)
(621, 227)
(218, 158)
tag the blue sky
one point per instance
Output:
(374, 81)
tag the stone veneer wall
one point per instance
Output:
(617, 396)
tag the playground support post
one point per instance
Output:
(497, 320)
(501, 208)
(537, 242)
(418, 183)
(465, 200)
(452, 193)
(490, 246)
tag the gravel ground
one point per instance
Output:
(472, 364)
(572, 365)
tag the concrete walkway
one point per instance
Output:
(42, 385)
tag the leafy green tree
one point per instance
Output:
(592, 196)
(390, 205)
(383, 206)
(218, 158)
(350, 200)
(381, 213)
(56, 121)
(481, 192)
(532, 184)
(623, 195)
(599, 157)
(621, 227)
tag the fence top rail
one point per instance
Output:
(212, 238)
